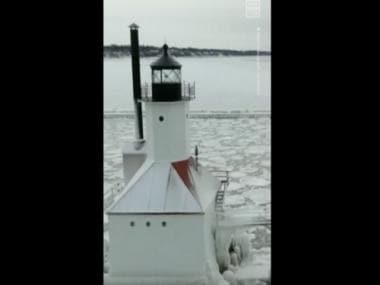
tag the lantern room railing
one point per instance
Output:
(188, 91)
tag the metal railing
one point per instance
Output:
(145, 91)
(188, 91)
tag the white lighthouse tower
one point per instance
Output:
(162, 225)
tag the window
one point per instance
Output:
(156, 76)
(171, 76)
(161, 118)
(164, 224)
(132, 224)
(166, 76)
(148, 224)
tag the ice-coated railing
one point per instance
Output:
(188, 91)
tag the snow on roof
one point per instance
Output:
(156, 188)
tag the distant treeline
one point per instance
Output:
(147, 51)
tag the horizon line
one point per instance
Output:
(188, 47)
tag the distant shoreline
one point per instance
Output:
(119, 51)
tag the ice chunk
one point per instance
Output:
(243, 240)
(234, 259)
(255, 181)
(234, 200)
(229, 276)
(261, 196)
(237, 174)
(265, 163)
(233, 186)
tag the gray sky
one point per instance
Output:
(185, 23)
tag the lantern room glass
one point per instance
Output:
(166, 76)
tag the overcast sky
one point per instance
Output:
(185, 23)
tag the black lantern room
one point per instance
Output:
(166, 78)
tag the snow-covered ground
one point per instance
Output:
(240, 146)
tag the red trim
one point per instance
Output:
(183, 170)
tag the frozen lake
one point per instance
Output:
(222, 83)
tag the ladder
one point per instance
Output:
(219, 198)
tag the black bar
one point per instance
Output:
(135, 55)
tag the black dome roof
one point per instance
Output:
(166, 61)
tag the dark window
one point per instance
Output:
(161, 118)
(148, 224)
(132, 224)
(164, 224)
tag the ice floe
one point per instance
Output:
(254, 181)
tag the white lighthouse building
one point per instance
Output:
(161, 227)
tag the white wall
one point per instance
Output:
(131, 163)
(167, 140)
(177, 249)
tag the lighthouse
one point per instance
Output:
(162, 225)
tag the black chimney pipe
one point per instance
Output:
(135, 55)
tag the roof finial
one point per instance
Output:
(133, 26)
(165, 48)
